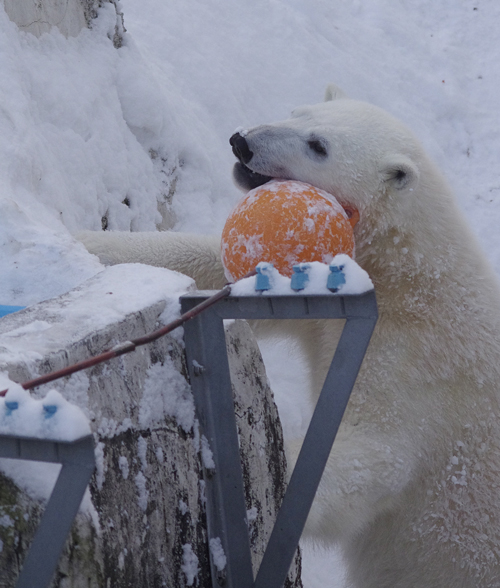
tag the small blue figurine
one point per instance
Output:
(300, 276)
(11, 405)
(49, 410)
(262, 281)
(336, 277)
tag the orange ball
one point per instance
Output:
(285, 222)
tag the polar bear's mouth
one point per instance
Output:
(242, 174)
(247, 178)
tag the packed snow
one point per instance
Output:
(103, 300)
(136, 138)
(316, 281)
(189, 564)
(52, 417)
(161, 399)
(217, 552)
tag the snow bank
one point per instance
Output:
(88, 140)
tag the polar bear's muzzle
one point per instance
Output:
(242, 174)
(241, 148)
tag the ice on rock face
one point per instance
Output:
(52, 417)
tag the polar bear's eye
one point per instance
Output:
(317, 146)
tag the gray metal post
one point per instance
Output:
(203, 340)
(314, 453)
(78, 464)
(211, 385)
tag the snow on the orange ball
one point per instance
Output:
(284, 222)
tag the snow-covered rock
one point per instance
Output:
(142, 522)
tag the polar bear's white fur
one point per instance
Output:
(411, 491)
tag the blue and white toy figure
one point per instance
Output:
(10, 407)
(300, 276)
(336, 277)
(52, 417)
(49, 410)
(262, 280)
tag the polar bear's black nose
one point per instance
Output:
(241, 148)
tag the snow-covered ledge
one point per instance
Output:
(142, 523)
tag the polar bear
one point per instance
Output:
(411, 491)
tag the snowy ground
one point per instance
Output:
(80, 119)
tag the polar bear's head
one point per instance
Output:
(351, 149)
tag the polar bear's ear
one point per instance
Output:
(333, 92)
(399, 171)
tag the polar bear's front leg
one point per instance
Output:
(364, 477)
(197, 256)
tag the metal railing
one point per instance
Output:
(78, 464)
(211, 385)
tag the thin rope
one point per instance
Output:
(128, 346)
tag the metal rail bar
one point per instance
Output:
(209, 371)
(78, 464)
